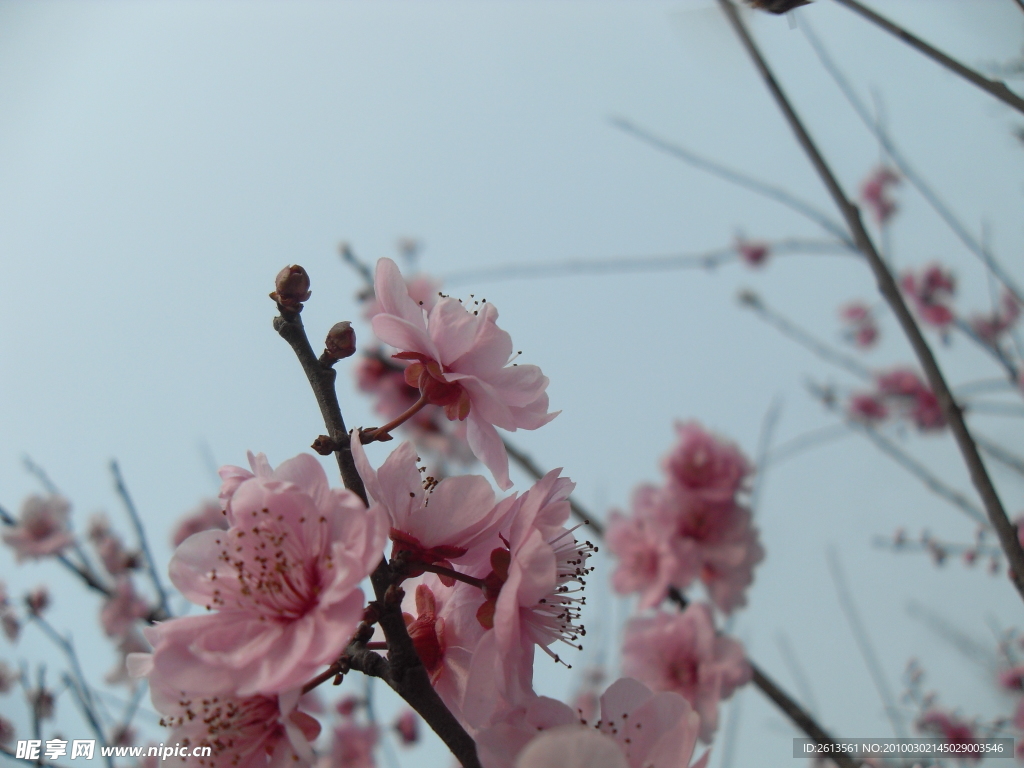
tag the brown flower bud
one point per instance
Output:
(38, 600)
(292, 287)
(341, 340)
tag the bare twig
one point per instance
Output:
(765, 189)
(402, 670)
(764, 444)
(802, 442)
(791, 661)
(1000, 454)
(977, 247)
(1006, 531)
(867, 651)
(133, 513)
(992, 87)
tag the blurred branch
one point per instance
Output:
(826, 352)
(806, 441)
(1000, 454)
(770, 191)
(635, 264)
(1006, 531)
(867, 651)
(978, 248)
(764, 444)
(533, 470)
(992, 87)
(164, 611)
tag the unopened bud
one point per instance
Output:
(341, 340)
(38, 600)
(777, 6)
(291, 287)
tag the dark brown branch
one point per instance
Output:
(1006, 531)
(402, 670)
(526, 462)
(993, 87)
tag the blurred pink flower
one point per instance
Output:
(352, 746)
(681, 652)
(251, 732)
(407, 725)
(911, 397)
(867, 407)
(990, 327)
(42, 529)
(948, 727)
(283, 582)
(461, 361)
(875, 190)
(637, 729)
(705, 464)
(207, 516)
(861, 328)
(753, 252)
(122, 609)
(931, 291)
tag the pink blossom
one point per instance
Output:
(242, 732)
(207, 516)
(282, 583)
(461, 361)
(1012, 679)
(915, 400)
(705, 464)
(726, 581)
(423, 289)
(352, 746)
(637, 729)
(130, 642)
(407, 726)
(432, 525)
(875, 193)
(681, 652)
(122, 609)
(42, 529)
(867, 407)
(753, 252)
(533, 592)
(931, 290)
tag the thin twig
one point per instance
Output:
(1006, 531)
(867, 650)
(402, 670)
(40, 474)
(789, 658)
(765, 189)
(638, 264)
(805, 441)
(133, 513)
(978, 248)
(993, 87)
(1000, 454)
(525, 461)
(823, 350)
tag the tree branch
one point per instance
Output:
(1006, 531)
(404, 671)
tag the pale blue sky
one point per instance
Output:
(160, 162)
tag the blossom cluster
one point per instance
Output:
(898, 393)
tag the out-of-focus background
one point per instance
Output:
(160, 162)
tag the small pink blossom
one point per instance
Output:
(122, 609)
(1012, 679)
(705, 464)
(947, 726)
(990, 327)
(282, 583)
(875, 192)
(423, 289)
(462, 361)
(42, 529)
(867, 407)
(753, 252)
(861, 328)
(911, 397)
(207, 516)
(407, 726)
(681, 652)
(352, 746)
(931, 290)
(242, 732)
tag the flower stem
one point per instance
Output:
(440, 570)
(381, 433)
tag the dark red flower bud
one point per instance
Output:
(341, 340)
(292, 287)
